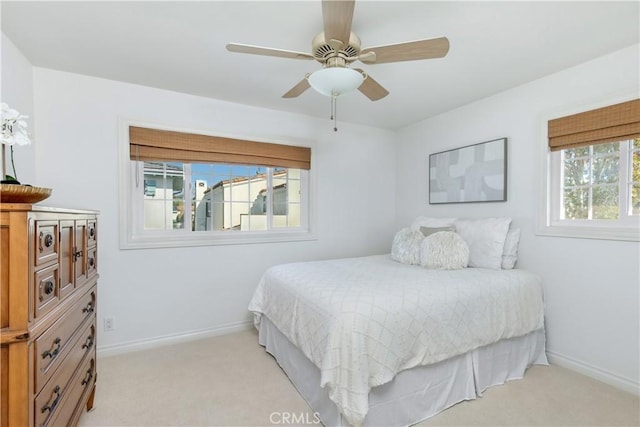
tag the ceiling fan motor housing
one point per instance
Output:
(322, 49)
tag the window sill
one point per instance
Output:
(630, 234)
(171, 240)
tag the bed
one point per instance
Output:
(372, 341)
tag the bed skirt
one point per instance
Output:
(415, 394)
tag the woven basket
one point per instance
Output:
(13, 193)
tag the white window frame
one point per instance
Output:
(133, 235)
(626, 228)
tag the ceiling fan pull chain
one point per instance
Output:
(332, 99)
(334, 112)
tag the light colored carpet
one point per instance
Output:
(230, 380)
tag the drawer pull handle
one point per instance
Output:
(48, 240)
(47, 288)
(53, 404)
(87, 377)
(77, 255)
(89, 342)
(88, 308)
(54, 353)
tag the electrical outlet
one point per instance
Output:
(108, 324)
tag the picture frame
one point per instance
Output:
(470, 174)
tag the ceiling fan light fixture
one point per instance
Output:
(335, 81)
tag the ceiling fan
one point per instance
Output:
(337, 48)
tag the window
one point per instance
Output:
(597, 182)
(202, 190)
(221, 197)
(593, 185)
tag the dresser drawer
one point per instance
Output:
(82, 342)
(46, 244)
(50, 397)
(56, 342)
(59, 397)
(92, 232)
(46, 291)
(92, 261)
(79, 386)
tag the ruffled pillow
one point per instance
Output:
(406, 246)
(444, 250)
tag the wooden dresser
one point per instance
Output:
(48, 281)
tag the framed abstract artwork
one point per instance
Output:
(471, 174)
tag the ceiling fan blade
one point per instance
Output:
(337, 16)
(371, 88)
(267, 51)
(408, 51)
(297, 89)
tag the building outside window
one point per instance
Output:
(163, 189)
(241, 197)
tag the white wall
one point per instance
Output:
(591, 286)
(160, 292)
(17, 92)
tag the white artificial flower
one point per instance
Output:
(14, 127)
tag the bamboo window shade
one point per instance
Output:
(617, 122)
(161, 145)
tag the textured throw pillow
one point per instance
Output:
(510, 253)
(406, 246)
(485, 237)
(444, 250)
(431, 222)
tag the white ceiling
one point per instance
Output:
(180, 46)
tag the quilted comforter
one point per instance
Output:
(363, 320)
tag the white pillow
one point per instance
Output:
(406, 246)
(485, 238)
(444, 250)
(510, 253)
(431, 222)
(428, 231)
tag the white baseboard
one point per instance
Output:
(607, 377)
(145, 344)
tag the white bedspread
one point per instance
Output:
(363, 320)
